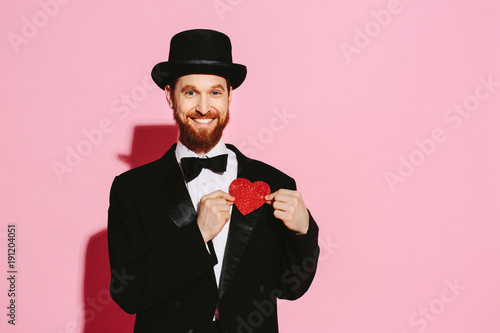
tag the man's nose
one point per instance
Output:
(203, 105)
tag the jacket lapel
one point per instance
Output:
(174, 195)
(173, 192)
(240, 230)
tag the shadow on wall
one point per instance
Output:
(101, 313)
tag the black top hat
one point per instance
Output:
(199, 51)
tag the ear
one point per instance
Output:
(229, 95)
(169, 94)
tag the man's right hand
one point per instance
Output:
(213, 213)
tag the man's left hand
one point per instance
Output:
(290, 208)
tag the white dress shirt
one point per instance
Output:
(207, 182)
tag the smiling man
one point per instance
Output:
(192, 261)
(201, 109)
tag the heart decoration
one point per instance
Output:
(248, 196)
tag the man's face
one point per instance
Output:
(201, 109)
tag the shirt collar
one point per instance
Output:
(182, 151)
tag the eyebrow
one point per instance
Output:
(191, 87)
(188, 87)
(219, 86)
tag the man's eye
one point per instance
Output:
(190, 93)
(216, 93)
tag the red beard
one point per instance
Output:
(201, 140)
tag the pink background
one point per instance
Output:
(391, 252)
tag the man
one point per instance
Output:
(184, 258)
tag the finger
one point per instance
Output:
(285, 191)
(224, 195)
(279, 195)
(222, 215)
(219, 194)
(223, 207)
(283, 206)
(285, 195)
(216, 207)
(293, 199)
(270, 197)
(281, 215)
(218, 197)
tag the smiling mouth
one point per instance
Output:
(203, 121)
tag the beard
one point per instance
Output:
(201, 140)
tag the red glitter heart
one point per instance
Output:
(248, 196)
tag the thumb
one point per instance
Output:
(269, 198)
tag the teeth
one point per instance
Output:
(203, 120)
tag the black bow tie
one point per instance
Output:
(191, 166)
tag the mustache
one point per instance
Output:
(208, 115)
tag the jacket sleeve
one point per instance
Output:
(145, 273)
(298, 261)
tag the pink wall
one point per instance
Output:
(385, 112)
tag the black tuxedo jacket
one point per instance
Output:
(162, 271)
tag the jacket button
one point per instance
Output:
(262, 288)
(177, 304)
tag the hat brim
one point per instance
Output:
(163, 72)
